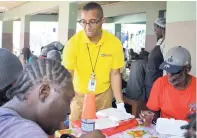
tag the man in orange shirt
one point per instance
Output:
(174, 95)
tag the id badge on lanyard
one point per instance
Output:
(92, 83)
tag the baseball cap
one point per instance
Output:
(161, 22)
(10, 68)
(176, 58)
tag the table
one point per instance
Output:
(151, 133)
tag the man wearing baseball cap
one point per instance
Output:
(174, 95)
(155, 58)
(10, 69)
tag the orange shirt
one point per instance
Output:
(171, 102)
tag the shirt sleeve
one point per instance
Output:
(118, 57)
(69, 54)
(31, 131)
(154, 99)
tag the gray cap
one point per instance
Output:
(161, 22)
(176, 58)
(10, 68)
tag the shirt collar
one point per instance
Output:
(101, 42)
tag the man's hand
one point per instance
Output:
(93, 134)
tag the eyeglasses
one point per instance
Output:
(177, 72)
(91, 22)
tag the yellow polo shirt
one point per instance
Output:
(76, 57)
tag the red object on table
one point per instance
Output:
(111, 131)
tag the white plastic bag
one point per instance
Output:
(170, 126)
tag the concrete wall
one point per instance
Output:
(109, 20)
(44, 18)
(188, 14)
(7, 29)
(151, 39)
(181, 27)
(131, 18)
(32, 8)
(126, 8)
(131, 7)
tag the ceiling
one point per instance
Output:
(81, 4)
(8, 5)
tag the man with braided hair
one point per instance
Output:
(40, 100)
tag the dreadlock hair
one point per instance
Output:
(40, 71)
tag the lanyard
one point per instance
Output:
(93, 67)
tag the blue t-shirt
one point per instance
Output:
(14, 126)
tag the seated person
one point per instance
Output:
(174, 95)
(40, 101)
(136, 86)
(10, 69)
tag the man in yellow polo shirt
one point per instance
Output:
(94, 57)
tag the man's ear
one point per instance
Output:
(44, 92)
(103, 20)
(188, 68)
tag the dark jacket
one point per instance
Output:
(155, 59)
(136, 84)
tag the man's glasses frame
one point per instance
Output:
(91, 22)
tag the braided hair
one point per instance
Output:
(40, 71)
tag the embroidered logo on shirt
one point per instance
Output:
(192, 107)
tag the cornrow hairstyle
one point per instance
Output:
(40, 71)
(92, 6)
